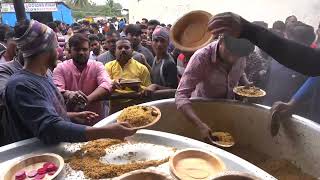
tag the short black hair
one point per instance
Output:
(163, 25)
(101, 37)
(3, 30)
(75, 24)
(133, 29)
(52, 25)
(145, 19)
(94, 25)
(279, 25)
(153, 22)
(110, 33)
(91, 31)
(19, 29)
(9, 35)
(85, 22)
(143, 26)
(77, 39)
(287, 19)
(58, 22)
(93, 37)
(261, 24)
(82, 30)
(124, 39)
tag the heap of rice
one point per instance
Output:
(138, 116)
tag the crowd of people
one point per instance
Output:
(58, 80)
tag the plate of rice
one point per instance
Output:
(250, 91)
(139, 117)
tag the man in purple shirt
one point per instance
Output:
(212, 72)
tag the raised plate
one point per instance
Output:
(34, 162)
(190, 32)
(218, 139)
(236, 91)
(129, 82)
(153, 122)
(195, 164)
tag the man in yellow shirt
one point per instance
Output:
(125, 67)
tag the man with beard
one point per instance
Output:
(34, 105)
(95, 47)
(111, 38)
(83, 82)
(125, 67)
(133, 33)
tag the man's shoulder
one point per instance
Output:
(20, 78)
(94, 63)
(64, 65)
(144, 49)
(10, 67)
(103, 55)
(138, 65)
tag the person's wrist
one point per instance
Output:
(93, 133)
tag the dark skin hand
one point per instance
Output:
(75, 97)
(85, 117)
(115, 131)
(205, 130)
(98, 95)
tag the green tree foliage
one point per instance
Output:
(90, 9)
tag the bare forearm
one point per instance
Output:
(98, 95)
(191, 116)
(93, 133)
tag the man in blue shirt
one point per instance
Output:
(34, 105)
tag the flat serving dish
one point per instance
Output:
(31, 163)
(195, 164)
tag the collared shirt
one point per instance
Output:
(132, 70)
(205, 77)
(146, 52)
(66, 76)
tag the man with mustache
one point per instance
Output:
(125, 67)
(33, 103)
(83, 82)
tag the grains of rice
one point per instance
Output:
(87, 159)
(138, 116)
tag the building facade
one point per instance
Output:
(41, 11)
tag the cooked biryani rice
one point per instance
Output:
(87, 160)
(249, 91)
(138, 116)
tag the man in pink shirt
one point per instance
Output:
(212, 72)
(83, 82)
